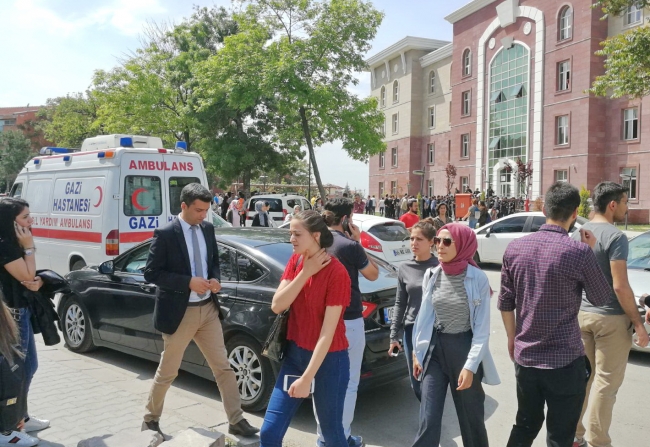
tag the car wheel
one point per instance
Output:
(255, 378)
(78, 265)
(76, 326)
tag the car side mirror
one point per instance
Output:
(487, 232)
(107, 268)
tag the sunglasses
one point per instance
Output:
(446, 241)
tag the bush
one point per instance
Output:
(585, 209)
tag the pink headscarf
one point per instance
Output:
(466, 246)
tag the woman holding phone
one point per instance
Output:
(451, 340)
(409, 294)
(17, 273)
(317, 289)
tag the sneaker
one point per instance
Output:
(35, 424)
(356, 441)
(17, 439)
(579, 442)
(152, 425)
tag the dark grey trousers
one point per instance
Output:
(447, 360)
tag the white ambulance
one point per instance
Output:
(92, 204)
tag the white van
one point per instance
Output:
(279, 206)
(92, 204)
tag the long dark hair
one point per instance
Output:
(10, 208)
(8, 334)
(315, 223)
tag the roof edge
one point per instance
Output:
(405, 44)
(467, 10)
(438, 55)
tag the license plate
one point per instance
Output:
(401, 251)
(389, 312)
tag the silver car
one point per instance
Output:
(638, 271)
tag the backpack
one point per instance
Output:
(13, 396)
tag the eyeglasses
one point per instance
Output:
(446, 241)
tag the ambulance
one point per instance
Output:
(91, 204)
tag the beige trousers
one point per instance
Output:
(203, 326)
(607, 340)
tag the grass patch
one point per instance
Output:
(632, 227)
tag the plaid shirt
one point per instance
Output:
(358, 207)
(543, 276)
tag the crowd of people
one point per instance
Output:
(566, 305)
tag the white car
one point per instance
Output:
(494, 237)
(638, 271)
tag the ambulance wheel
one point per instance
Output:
(76, 326)
(255, 377)
(78, 265)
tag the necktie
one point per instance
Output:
(198, 263)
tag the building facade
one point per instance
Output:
(512, 87)
(23, 119)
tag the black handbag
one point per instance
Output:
(13, 396)
(276, 342)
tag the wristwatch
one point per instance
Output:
(30, 251)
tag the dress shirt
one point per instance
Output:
(542, 277)
(187, 234)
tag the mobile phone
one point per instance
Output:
(345, 223)
(288, 380)
(395, 351)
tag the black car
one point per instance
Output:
(111, 305)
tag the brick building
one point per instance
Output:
(511, 85)
(23, 119)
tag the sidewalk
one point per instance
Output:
(85, 396)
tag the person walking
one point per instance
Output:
(348, 250)
(13, 365)
(183, 263)
(471, 215)
(382, 206)
(316, 287)
(409, 294)
(236, 209)
(542, 278)
(262, 218)
(451, 340)
(225, 204)
(607, 330)
(484, 215)
(390, 207)
(18, 274)
(403, 206)
(411, 217)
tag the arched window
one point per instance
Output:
(467, 62)
(565, 24)
(432, 82)
(382, 98)
(395, 91)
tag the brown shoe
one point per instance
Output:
(242, 428)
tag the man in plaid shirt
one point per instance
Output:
(542, 279)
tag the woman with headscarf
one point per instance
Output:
(450, 340)
(261, 218)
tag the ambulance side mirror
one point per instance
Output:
(107, 268)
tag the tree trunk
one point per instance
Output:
(312, 156)
(246, 180)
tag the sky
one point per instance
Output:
(52, 47)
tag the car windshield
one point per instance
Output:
(275, 204)
(389, 232)
(638, 256)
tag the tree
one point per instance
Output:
(450, 172)
(524, 174)
(15, 152)
(584, 209)
(303, 54)
(68, 120)
(627, 67)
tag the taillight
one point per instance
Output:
(368, 308)
(370, 242)
(284, 213)
(113, 243)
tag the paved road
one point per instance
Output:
(105, 391)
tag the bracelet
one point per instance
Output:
(29, 248)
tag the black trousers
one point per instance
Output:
(563, 392)
(447, 360)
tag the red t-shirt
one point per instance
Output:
(409, 219)
(329, 287)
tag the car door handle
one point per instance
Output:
(223, 296)
(148, 287)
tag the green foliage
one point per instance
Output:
(420, 204)
(15, 151)
(68, 120)
(302, 54)
(584, 210)
(627, 67)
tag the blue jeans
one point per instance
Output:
(331, 383)
(27, 346)
(407, 344)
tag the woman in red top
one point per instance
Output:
(317, 288)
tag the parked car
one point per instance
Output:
(280, 206)
(638, 272)
(218, 221)
(111, 305)
(494, 237)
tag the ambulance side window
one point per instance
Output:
(142, 196)
(17, 190)
(176, 185)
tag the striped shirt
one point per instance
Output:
(450, 304)
(542, 277)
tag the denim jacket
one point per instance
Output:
(478, 295)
